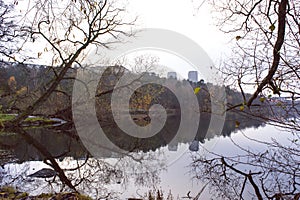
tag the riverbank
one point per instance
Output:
(9, 192)
(31, 121)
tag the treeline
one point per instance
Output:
(21, 84)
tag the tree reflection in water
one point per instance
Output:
(83, 174)
(260, 169)
(60, 149)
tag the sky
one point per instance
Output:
(187, 18)
(182, 16)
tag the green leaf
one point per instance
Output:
(272, 27)
(237, 124)
(262, 99)
(197, 90)
(242, 107)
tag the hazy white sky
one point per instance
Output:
(182, 16)
(185, 17)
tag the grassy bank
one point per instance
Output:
(10, 193)
(30, 121)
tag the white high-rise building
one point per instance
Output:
(193, 76)
(172, 75)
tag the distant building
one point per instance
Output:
(172, 75)
(194, 146)
(193, 76)
(172, 147)
(152, 74)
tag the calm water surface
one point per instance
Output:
(167, 167)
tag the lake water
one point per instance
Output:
(166, 167)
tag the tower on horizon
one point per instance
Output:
(172, 75)
(193, 76)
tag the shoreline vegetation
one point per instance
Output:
(9, 192)
(31, 121)
(20, 85)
